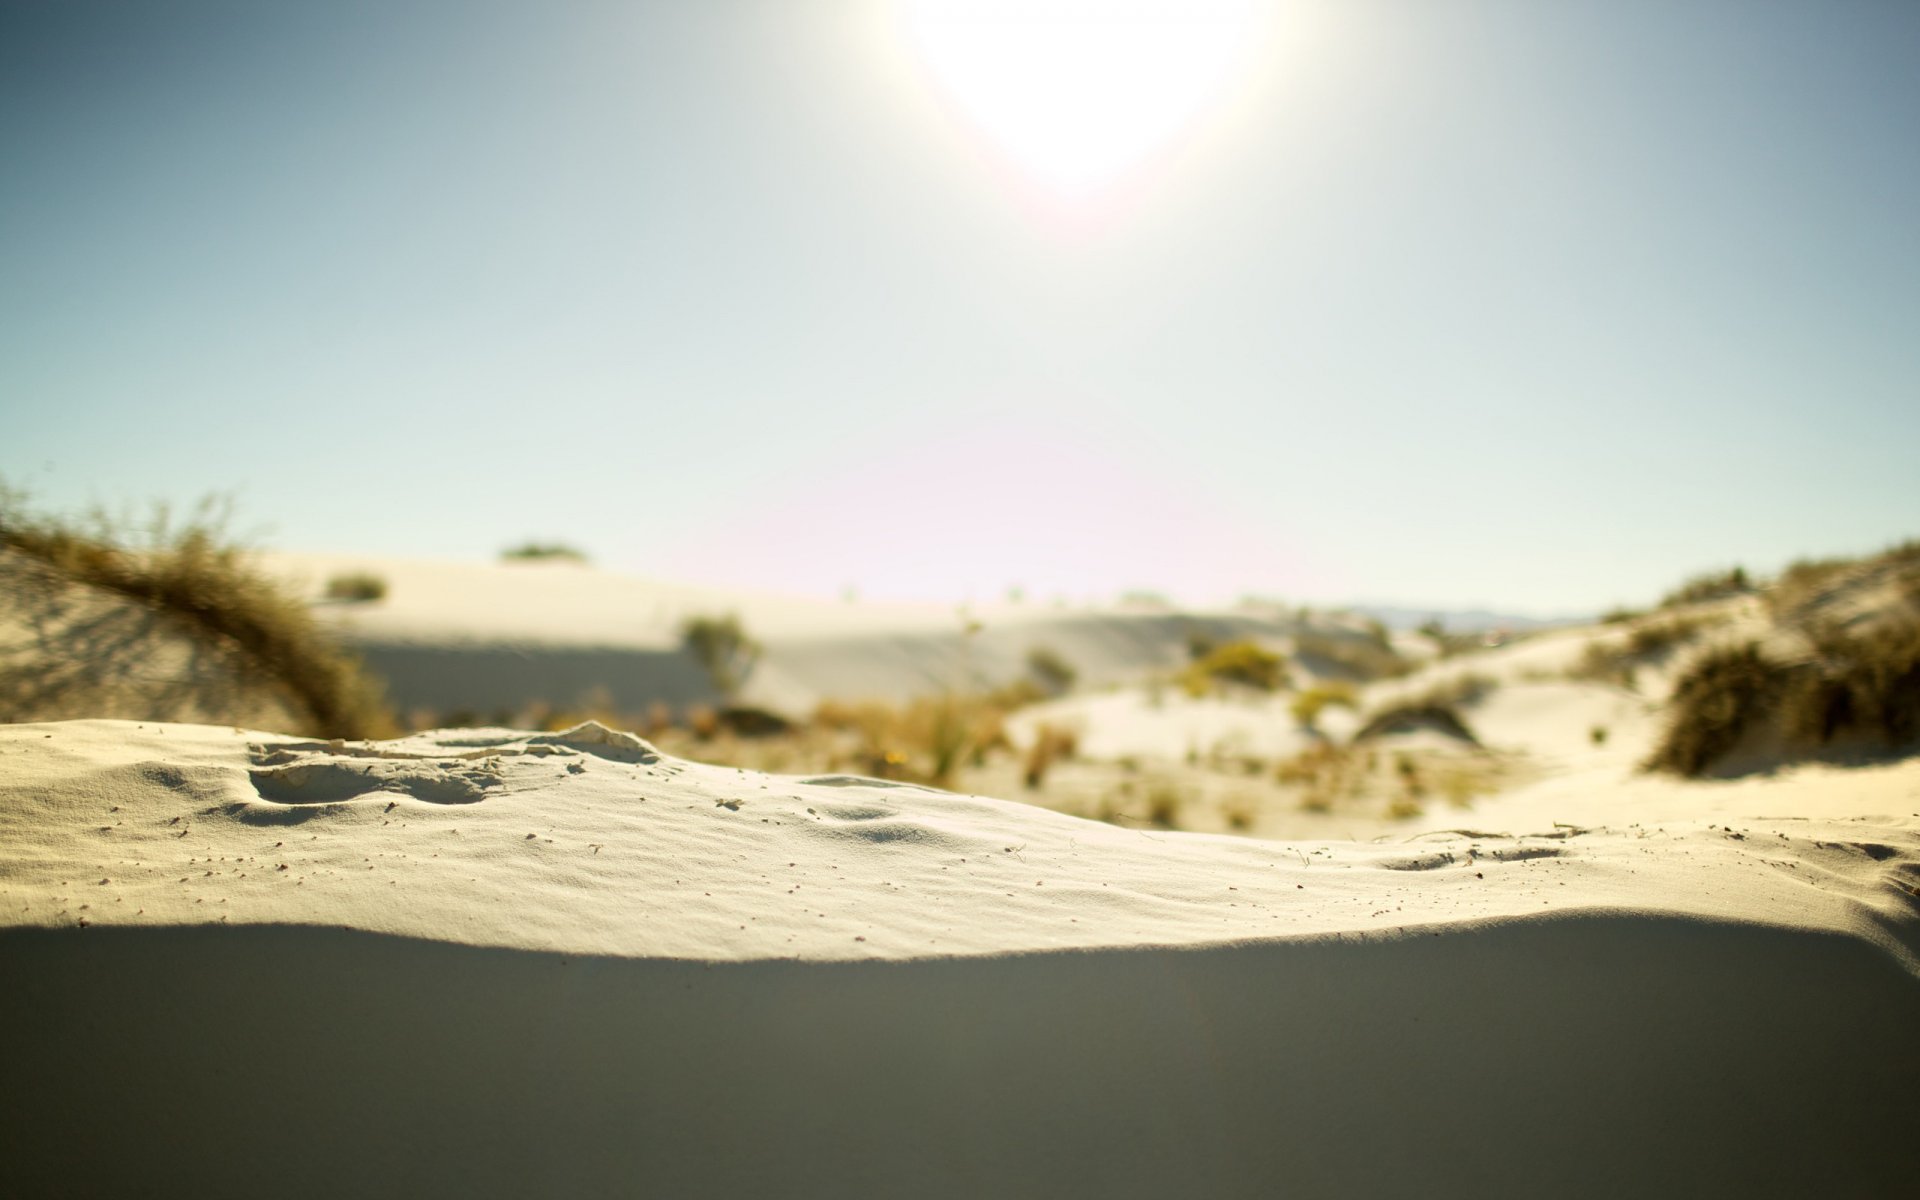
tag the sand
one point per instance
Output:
(486, 638)
(505, 963)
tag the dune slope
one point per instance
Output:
(504, 963)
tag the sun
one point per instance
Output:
(1079, 94)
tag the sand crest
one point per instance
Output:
(500, 962)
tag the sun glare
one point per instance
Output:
(1079, 94)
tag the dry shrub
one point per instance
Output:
(1352, 656)
(1054, 673)
(1649, 642)
(1310, 703)
(926, 740)
(1408, 716)
(1327, 773)
(703, 721)
(1245, 663)
(193, 572)
(1050, 744)
(721, 646)
(1865, 682)
(543, 552)
(1714, 585)
(356, 587)
(1723, 695)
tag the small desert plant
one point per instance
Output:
(1054, 673)
(1362, 658)
(1650, 641)
(1865, 681)
(721, 646)
(192, 571)
(1310, 703)
(1246, 663)
(703, 721)
(1714, 585)
(543, 552)
(357, 587)
(1163, 805)
(1050, 744)
(1407, 716)
(1723, 695)
(1455, 691)
(1327, 773)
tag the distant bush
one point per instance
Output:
(1407, 717)
(1244, 662)
(357, 587)
(1865, 682)
(721, 646)
(1447, 644)
(1054, 673)
(1714, 585)
(1464, 690)
(1050, 744)
(1722, 696)
(543, 551)
(193, 572)
(1360, 658)
(1308, 704)
(1650, 641)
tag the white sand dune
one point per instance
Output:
(491, 637)
(500, 963)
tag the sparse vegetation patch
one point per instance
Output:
(192, 571)
(357, 587)
(1245, 663)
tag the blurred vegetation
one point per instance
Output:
(543, 552)
(191, 569)
(357, 587)
(1244, 663)
(1361, 658)
(1055, 674)
(1714, 585)
(721, 645)
(1309, 703)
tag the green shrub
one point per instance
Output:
(357, 587)
(1244, 662)
(543, 551)
(1355, 657)
(193, 572)
(1407, 716)
(1714, 585)
(1310, 703)
(1865, 682)
(1724, 694)
(1055, 673)
(721, 646)
(1050, 744)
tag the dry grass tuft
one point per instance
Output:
(1714, 585)
(357, 587)
(1357, 657)
(543, 552)
(1050, 744)
(722, 647)
(191, 571)
(1311, 702)
(1244, 663)
(1722, 696)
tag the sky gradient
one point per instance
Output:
(1438, 302)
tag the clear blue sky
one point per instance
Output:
(1434, 301)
